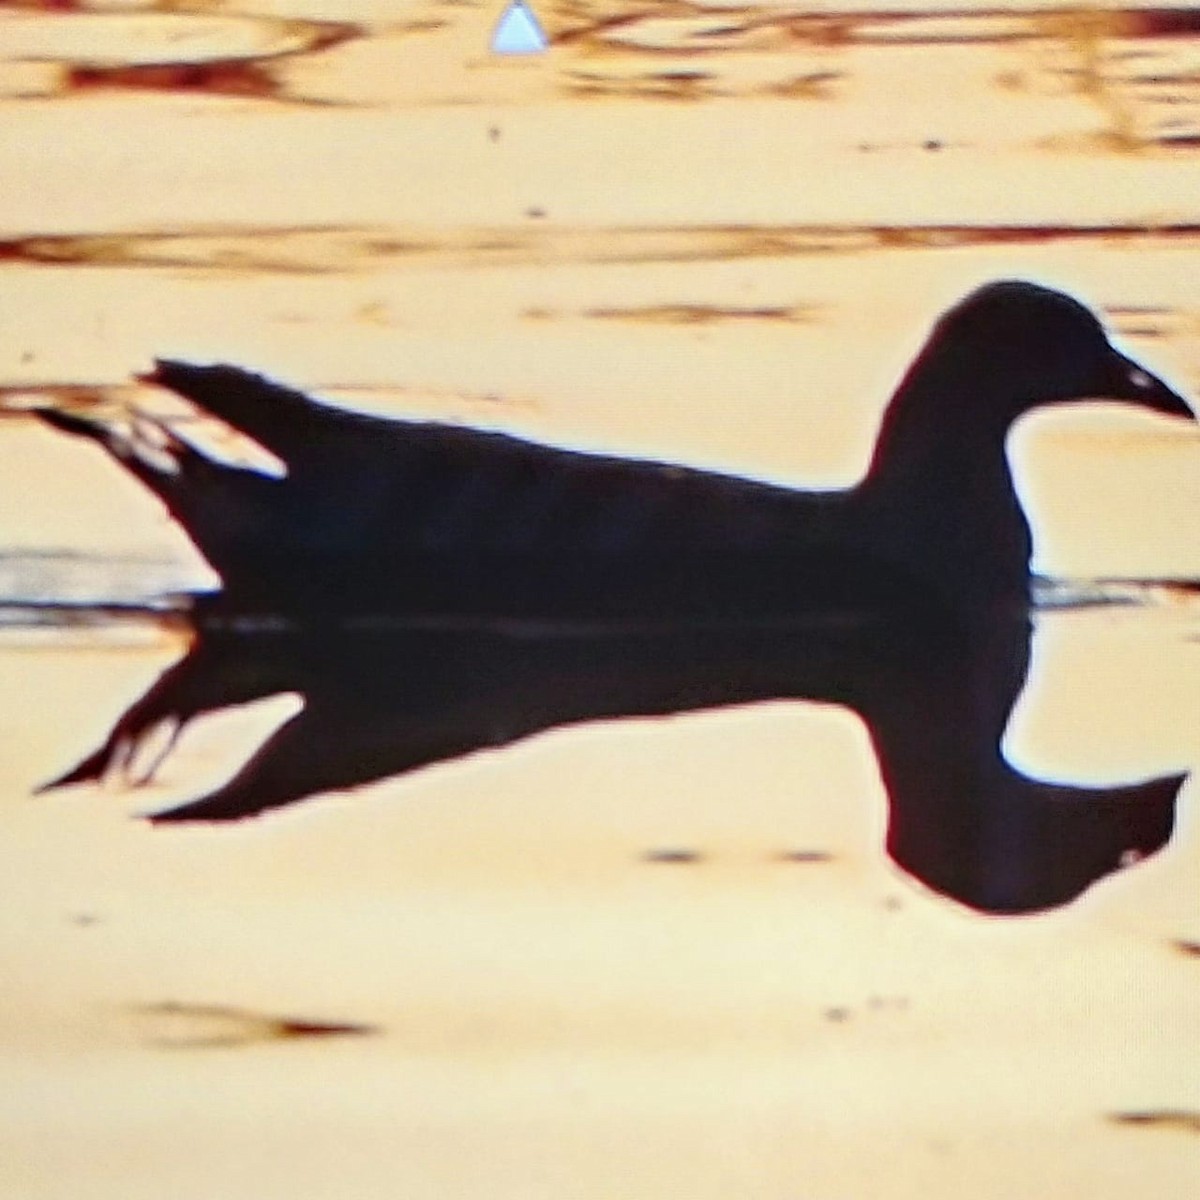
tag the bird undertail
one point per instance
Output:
(193, 487)
(146, 448)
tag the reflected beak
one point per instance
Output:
(1126, 380)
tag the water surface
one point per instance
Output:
(647, 955)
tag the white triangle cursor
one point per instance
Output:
(518, 31)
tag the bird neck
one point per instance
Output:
(947, 414)
(940, 489)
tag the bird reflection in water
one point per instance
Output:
(935, 699)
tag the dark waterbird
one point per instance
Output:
(407, 518)
(934, 700)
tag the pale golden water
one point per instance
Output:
(644, 958)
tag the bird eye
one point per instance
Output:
(1139, 379)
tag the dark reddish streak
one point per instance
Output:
(222, 77)
(254, 76)
(1160, 22)
(47, 5)
(295, 1029)
(839, 29)
(253, 245)
(129, 249)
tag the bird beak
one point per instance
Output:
(1126, 380)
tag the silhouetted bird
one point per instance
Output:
(934, 700)
(402, 518)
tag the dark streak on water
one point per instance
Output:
(217, 250)
(55, 6)
(255, 76)
(806, 857)
(1183, 1120)
(701, 314)
(1144, 320)
(194, 1026)
(815, 85)
(1138, 310)
(673, 856)
(831, 29)
(660, 85)
(241, 77)
(1159, 22)
(316, 250)
(816, 29)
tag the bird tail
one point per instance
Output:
(276, 417)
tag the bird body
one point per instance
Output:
(419, 518)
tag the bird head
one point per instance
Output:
(1030, 346)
